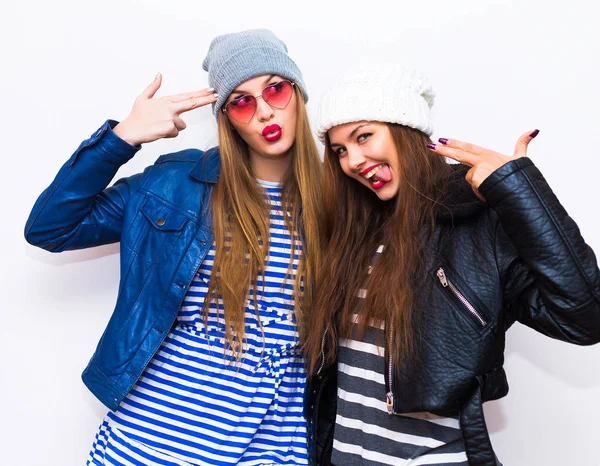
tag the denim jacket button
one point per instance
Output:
(161, 221)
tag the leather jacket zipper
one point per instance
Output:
(389, 399)
(446, 283)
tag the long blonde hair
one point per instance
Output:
(241, 226)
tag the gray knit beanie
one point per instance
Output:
(234, 58)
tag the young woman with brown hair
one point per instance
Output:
(427, 264)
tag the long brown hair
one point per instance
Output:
(356, 223)
(241, 226)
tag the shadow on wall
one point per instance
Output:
(68, 280)
(71, 257)
(572, 369)
(569, 364)
(494, 417)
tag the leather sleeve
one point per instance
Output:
(77, 211)
(550, 275)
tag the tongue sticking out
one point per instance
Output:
(384, 174)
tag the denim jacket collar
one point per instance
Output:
(208, 168)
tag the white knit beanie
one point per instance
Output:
(383, 92)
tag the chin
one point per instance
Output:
(387, 193)
(385, 198)
(278, 149)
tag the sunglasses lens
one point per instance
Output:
(278, 95)
(242, 108)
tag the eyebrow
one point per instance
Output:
(352, 133)
(239, 91)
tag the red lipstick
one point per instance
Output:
(272, 133)
(367, 170)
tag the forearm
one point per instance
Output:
(77, 210)
(551, 274)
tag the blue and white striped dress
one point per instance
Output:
(193, 406)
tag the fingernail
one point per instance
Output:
(157, 75)
(215, 95)
(431, 146)
(210, 89)
(534, 134)
(443, 140)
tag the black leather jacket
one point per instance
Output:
(518, 257)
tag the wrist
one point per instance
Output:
(123, 131)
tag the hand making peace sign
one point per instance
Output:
(483, 162)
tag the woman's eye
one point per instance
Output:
(363, 137)
(241, 101)
(340, 151)
(277, 87)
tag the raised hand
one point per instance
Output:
(156, 118)
(483, 162)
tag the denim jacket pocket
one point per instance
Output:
(159, 227)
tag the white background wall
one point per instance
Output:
(499, 67)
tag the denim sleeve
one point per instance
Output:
(77, 210)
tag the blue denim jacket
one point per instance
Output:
(161, 218)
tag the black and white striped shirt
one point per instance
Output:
(365, 434)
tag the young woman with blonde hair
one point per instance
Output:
(200, 362)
